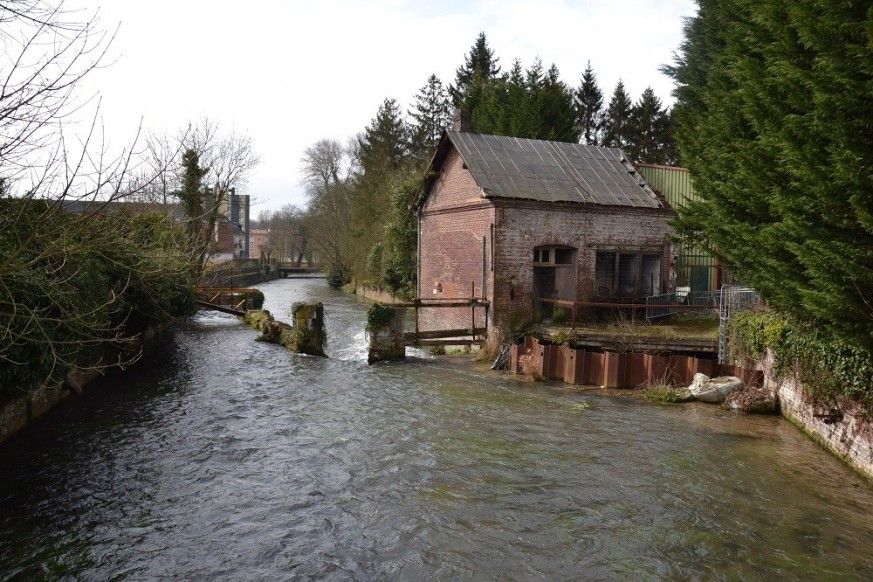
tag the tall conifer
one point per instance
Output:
(431, 114)
(617, 128)
(383, 145)
(589, 106)
(774, 122)
(480, 66)
(650, 130)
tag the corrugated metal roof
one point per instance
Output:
(551, 171)
(673, 183)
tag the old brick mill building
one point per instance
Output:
(515, 220)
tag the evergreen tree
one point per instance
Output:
(401, 239)
(480, 66)
(617, 128)
(532, 104)
(555, 109)
(589, 107)
(383, 146)
(431, 114)
(382, 152)
(191, 193)
(773, 120)
(649, 129)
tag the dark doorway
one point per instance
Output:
(554, 277)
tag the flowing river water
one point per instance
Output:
(221, 457)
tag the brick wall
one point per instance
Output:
(456, 217)
(521, 226)
(452, 223)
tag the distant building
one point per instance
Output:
(517, 221)
(230, 238)
(259, 243)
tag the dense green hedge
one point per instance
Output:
(826, 365)
(73, 288)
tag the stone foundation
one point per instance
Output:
(388, 343)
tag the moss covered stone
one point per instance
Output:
(385, 327)
(307, 335)
(257, 318)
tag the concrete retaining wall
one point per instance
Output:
(18, 412)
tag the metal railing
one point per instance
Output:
(655, 307)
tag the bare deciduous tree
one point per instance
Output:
(323, 164)
(229, 155)
(56, 188)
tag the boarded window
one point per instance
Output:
(627, 274)
(650, 278)
(563, 256)
(604, 274)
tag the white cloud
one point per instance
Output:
(289, 73)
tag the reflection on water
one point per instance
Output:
(223, 457)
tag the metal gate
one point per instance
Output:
(733, 299)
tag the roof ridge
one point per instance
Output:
(530, 139)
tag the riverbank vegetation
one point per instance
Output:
(78, 291)
(830, 367)
(773, 121)
(360, 218)
(82, 276)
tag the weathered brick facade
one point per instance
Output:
(453, 221)
(456, 218)
(523, 226)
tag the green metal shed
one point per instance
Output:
(696, 269)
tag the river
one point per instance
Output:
(221, 457)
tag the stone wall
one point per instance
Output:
(840, 426)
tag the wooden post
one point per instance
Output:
(417, 302)
(472, 310)
(484, 266)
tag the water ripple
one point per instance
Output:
(220, 457)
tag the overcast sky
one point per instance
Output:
(288, 73)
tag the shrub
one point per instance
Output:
(826, 365)
(662, 393)
(255, 299)
(379, 317)
(94, 282)
(337, 276)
